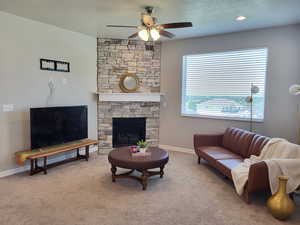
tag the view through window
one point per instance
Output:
(217, 84)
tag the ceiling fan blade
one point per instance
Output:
(122, 26)
(133, 35)
(166, 34)
(176, 25)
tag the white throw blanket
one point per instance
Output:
(281, 157)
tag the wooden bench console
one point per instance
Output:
(35, 155)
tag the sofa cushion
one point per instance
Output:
(225, 165)
(213, 153)
(257, 144)
(237, 140)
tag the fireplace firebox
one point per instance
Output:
(128, 131)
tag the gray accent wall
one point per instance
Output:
(282, 117)
(22, 43)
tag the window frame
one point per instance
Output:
(183, 89)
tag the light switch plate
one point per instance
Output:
(8, 108)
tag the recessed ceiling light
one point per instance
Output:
(241, 18)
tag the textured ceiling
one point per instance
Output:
(208, 16)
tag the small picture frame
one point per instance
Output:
(46, 64)
(62, 66)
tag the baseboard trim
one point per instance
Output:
(177, 149)
(17, 170)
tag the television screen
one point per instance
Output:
(57, 125)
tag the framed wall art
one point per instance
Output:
(54, 65)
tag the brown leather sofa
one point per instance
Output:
(227, 150)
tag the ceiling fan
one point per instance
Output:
(150, 30)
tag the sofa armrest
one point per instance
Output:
(258, 178)
(207, 140)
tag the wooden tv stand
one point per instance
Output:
(49, 151)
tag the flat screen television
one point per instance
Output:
(58, 125)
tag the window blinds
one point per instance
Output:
(217, 84)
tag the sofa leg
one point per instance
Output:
(199, 159)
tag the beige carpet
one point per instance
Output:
(82, 193)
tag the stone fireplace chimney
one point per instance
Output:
(116, 57)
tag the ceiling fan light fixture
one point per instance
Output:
(154, 34)
(149, 30)
(144, 35)
(240, 18)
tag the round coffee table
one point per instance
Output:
(123, 158)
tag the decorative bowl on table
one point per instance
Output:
(134, 149)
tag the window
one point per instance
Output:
(216, 85)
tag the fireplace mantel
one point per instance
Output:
(130, 97)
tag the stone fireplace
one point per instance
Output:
(116, 57)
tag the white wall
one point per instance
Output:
(22, 43)
(281, 115)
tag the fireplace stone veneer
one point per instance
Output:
(116, 57)
(109, 110)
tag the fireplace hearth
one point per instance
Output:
(128, 131)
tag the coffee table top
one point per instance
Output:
(122, 157)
